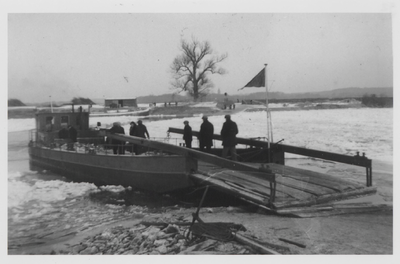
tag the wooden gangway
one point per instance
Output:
(275, 152)
(296, 192)
(275, 187)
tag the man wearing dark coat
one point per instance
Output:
(141, 131)
(228, 134)
(63, 133)
(206, 134)
(187, 134)
(118, 145)
(132, 129)
(73, 136)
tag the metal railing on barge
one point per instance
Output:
(95, 145)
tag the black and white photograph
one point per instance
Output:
(200, 128)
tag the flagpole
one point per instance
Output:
(261, 80)
(266, 103)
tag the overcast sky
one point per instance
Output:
(65, 55)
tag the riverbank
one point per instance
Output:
(342, 234)
(364, 233)
(190, 109)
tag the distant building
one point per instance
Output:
(120, 102)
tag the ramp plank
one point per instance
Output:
(221, 185)
(316, 178)
(304, 185)
(299, 192)
(327, 198)
(259, 185)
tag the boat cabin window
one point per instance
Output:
(64, 120)
(49, 123)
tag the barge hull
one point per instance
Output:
(159, 174)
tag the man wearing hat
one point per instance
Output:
(228, 135)
(206, 134)
(141, 131)
(118, 145)
(132, 129)
(187, 134)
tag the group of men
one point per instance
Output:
(137, 130)
(228, 133)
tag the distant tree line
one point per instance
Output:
(81, 100)
(15, 102)
(375, 101)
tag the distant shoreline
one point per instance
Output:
(29, 112)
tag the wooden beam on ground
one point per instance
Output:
(203, 253)
(255, 245)
(293, 242)
(164, 224)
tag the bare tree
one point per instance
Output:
(190, 69)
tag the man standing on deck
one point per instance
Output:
(228, 135)
(132, 129)
(73, 136)
(206, 135)
(141, 131)
(63, 133)
(118, 145)
(187, 134)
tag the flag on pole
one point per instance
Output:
(257, 81)
(260, 81)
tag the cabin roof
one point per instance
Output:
(118, 98)
(62, 113)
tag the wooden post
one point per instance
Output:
(369, 176)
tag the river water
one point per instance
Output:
(44, 206)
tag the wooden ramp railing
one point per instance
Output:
(278, 151)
